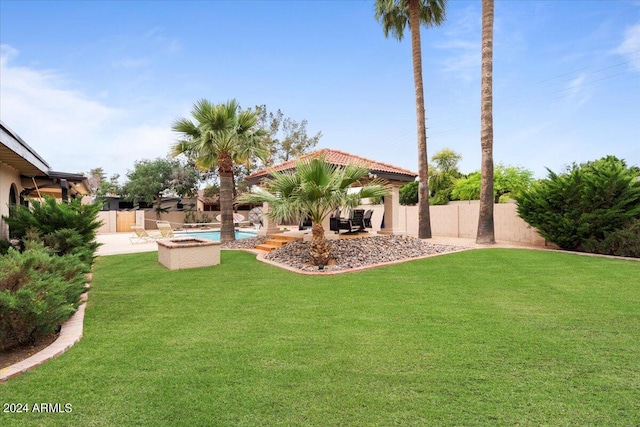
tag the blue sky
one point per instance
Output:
(99, 83)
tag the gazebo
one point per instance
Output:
(396, 177)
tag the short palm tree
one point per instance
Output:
(395, 15)
(220, 137)
(315, 188)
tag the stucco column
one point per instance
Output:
(392, 223)
(268, 225)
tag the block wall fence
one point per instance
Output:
(457, 219)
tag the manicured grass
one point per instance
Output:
(491, 337)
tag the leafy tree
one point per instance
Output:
(314, 189)
(95, 177)
(507, 181)
(150, 180)
(221, 137)
(100, 187)
(584, 205)
(286, 138)
(442, 175)
(485, 232)
(395, 15)
(409, 194)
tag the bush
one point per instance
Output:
(38, 292)
(623, 242)
(68, 228)
(409, 193)
(587, 208)
(4, 246)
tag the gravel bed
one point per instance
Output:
(248, 243)
(353, 253)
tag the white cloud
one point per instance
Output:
(576, 92)
(462, 44)
(630, 46)
(71, 131)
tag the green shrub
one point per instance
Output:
(4, 246)
(68, 228)
(38, 292)
(583, 207)
(409, 193)
(623, 242)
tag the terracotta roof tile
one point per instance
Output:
(338, 158)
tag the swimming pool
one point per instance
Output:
(214, 235)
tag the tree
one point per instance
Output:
(485, 220)
(221, 137)
(443, 175)
(150, 180)
(507, 181)
(395, 15)
(100, 187)
(286, 138)
(586, 206)
(95, 177)
(315, 189)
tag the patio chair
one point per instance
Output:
(305, 223)
(166, 232)
(142, 236)
(366, 219)
(357, 219)
(336, 223)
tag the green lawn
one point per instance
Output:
(490, 337)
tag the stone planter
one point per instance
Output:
(179, 254)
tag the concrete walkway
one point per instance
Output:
(120, 243)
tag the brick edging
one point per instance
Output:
(70, 333)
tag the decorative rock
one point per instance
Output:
(354, 253)
(248, 243)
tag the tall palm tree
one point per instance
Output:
(220, 137)
(394, 16)
(315, 188)
(485, 221)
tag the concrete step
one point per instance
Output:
(282, 237)
(275, 241)
(266, 247)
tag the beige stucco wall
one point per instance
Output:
(460, 219)
(109, 223)
(8, 176)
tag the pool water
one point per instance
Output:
(214, 235)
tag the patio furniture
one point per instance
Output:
(142, 236)
(305, 223)
(351, 224)
(166, 231)
(366, 219)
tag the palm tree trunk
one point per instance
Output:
(320, 249)
(485, 219)
(424, 219)
(225, 168)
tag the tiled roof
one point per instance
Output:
(341, 158)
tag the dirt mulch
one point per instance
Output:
(18, 354)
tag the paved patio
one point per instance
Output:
(119, 243)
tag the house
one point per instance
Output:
(24, 174)
(394, 175)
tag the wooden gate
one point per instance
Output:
(124, 219)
